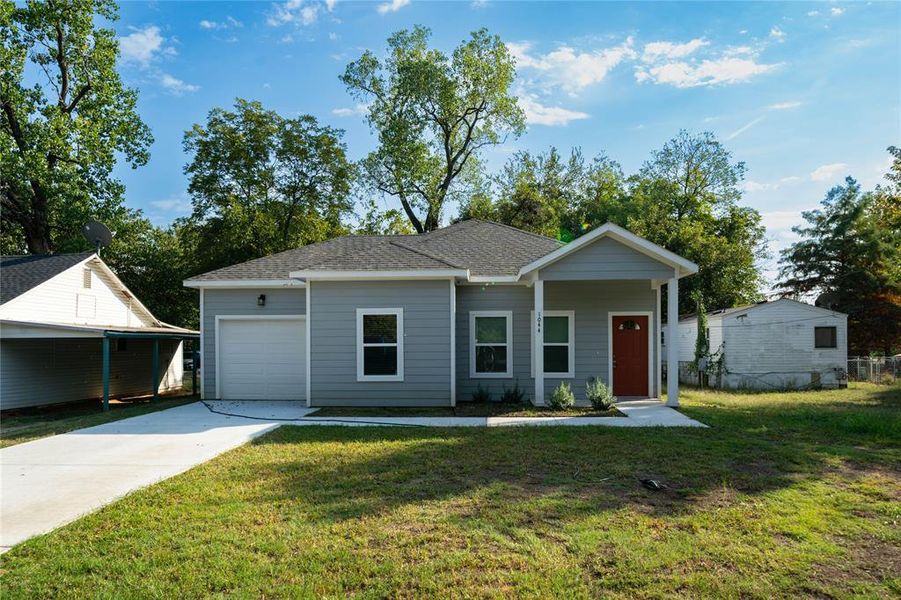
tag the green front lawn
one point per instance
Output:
(467, 409)
(792, 495)
(19, 426)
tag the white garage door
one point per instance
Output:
(262, 359)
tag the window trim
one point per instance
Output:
(508, 315)
(834, 329)
(397, 312)
(571, 315)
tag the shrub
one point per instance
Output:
(481, 394)
(563, 397)
(514, 395)
(599, 395)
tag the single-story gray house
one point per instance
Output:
(424, 320)
(70, 330)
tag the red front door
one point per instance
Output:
(630, 356)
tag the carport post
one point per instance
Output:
(193, 367)
(155, 377)
(105, 373)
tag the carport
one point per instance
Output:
(155, 337)
(74, 362)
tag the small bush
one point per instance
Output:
(599, 395)
(514, 395)
(563, 397)
(481, 395)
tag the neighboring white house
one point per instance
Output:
(57, 313)
(783, 344)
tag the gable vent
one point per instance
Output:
(86, 279)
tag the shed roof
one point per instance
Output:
(18, 274)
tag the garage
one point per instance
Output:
(261, 358)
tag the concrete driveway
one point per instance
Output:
(52, 481)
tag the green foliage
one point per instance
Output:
(481, 394)
(262, 183)
(600, 396)
(513, 395)
(376, 221)
(702, 341)
(562, 397)
(433, 114)
(850, 252)
(61, 135)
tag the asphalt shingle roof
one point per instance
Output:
(18, 274)
(483, 247)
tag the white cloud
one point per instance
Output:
(708, 72)
(571, 69)
(784, 105)
(836, 11)
(656, 51)
(143, 45)
(392, 6)
(777, 33)
(298, 12)
(332, 36)
(782, 219)
(827, 172)
(226, 24)
(359, 109)
(180, 205)
(813, 13)
(330, 4)
(757, 186)
(744, 128)
(538, 114)
(177, 86)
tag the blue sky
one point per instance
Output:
(804, 93)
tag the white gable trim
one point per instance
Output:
(125, 291)
(683, 266)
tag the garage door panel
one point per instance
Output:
(261, 359)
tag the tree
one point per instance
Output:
(262, 183)
(376, 221)
(60, 137)
(702, 341)
(433, 114)
(849, 257)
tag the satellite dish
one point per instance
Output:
(828, 300)
(98, 234)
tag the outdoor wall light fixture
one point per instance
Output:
(261, 300)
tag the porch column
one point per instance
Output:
(672, 342)
(539, 343)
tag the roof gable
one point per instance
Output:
(19, 274)
(681, 265)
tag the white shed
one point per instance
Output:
(782, 344)
(66, 321)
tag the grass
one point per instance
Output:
(467, 409)
(786, 495)
(25, 425)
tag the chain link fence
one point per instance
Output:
(878, 369)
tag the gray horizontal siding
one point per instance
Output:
(333, 342)
(605, 259)
(50, 371)
(241, 302)
(591, 301)
(516, 298)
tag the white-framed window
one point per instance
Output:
(491, 344)
(559, 344)
(380, 344)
